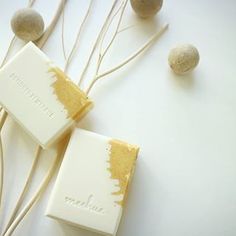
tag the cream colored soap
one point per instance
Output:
(92, 183)
(39, 96)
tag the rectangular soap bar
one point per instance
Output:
(39, 96)
(92, 183)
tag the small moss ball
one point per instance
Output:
(146, 8)
(183, 58)
(27, 24)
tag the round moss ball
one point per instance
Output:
(146, 8)
(27, 24)
(183, 58)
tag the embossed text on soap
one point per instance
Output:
(85, 205)
(31, 95)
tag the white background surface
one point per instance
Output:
(184, 183)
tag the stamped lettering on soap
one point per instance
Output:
(85, 205)
(31, 95)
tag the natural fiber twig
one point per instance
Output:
(97, 42)
(63, 33)
(75, 45)
(31, 3)
(103, 54)
(40, 42)
(2, 121)
(25, 188)
(2, 170)
(42, 187)
(133, 56)
(114, 35)
(108, 26)
(100, 54)
(12, 42)
(126, 28)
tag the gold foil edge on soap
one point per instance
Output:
(73, 99)
(122, 161)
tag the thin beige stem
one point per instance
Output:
(129, 59)
(63, 33)
(12, 42)
(35, 198)
(31, 3)
(126, 28)
(40, 42)
(100, 55)
(8, 51)
(2, 170)
(115, 34)
(2, 121)
(96, 43)
(108, 26)
(25, 188)
(75, 46)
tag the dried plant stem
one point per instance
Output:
(126, 28)
(100, 54)
(70, 57)
(129, 59)
(2, 170)
(108, 26)
(63, 33)
(97, 42)
(2, 121)
(114, 35)
(31, 3)
(40, 43)
(42, 187)
(25, 188)
(8, 51)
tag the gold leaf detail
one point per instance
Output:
(73, 99)
(122, 162)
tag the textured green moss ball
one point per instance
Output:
(27, 24)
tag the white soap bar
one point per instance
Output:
(39, 96)
(92, 182)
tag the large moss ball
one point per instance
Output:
(183, 58)
(146, 8)
(27, 24)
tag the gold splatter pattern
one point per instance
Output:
(122, 163)
(73, 99)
